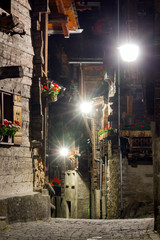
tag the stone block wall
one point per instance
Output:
(83, 197)
(113, 187)
(156, 179)
(74, 202)
(16, 174)
(25, 207)
(137, 189)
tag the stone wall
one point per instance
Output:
(113, 187)
(18, 202)
(137, 190)
(74, 203)
(156, 164)
(25, 207)
(16, 174)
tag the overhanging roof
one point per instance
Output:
(63, 17)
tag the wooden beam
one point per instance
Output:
(44, 28)
(83, 8)
(11, 72)
(61, 9)
(60, 18)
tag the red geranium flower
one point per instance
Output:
(16, 122)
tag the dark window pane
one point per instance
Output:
(6, 5)
(8, 107)
(0, 107)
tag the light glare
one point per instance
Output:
(129, 52)
(64, 152)
(86, 107)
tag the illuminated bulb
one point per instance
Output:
(86, 107)
(129, 52)
(64, 152)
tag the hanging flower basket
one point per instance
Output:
(51, 91)
(52, 99)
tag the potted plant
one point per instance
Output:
(51, 91)
(8, 129)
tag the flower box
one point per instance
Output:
(8, 130)
(106, 135)
(131, 133)
(100, 137)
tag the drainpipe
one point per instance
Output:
(100, 164)
(106, 159)
(119, 115)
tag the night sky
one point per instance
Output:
(97, 24)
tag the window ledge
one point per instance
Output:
(2, 144)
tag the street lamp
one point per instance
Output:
(129, 52)
(86, 107)
(64, 151)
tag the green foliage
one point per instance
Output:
(9, 128)
(4, 228)
(3, 130)
(106, 129)
(52, 90)
(142, 126)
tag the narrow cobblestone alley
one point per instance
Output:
(65, 229)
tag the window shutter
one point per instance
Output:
(17, 115)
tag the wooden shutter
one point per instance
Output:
(17, 115)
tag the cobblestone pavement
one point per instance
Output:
(78, 229)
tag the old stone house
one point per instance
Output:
(24, 27)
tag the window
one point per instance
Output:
(6, 5)
(11, 109)
(6, 106)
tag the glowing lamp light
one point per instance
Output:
(64, 152)
(129, 52)
(86, 107)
